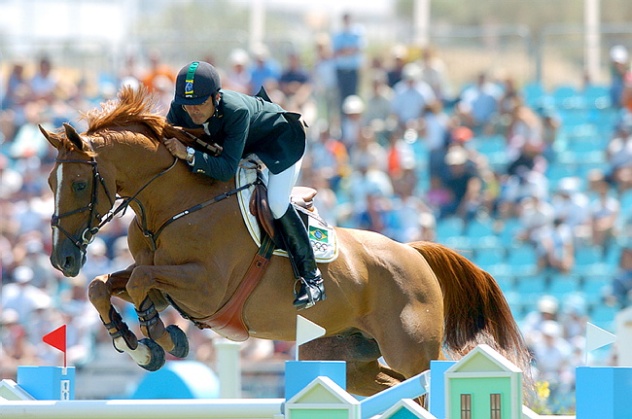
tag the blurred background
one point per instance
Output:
(501, 128)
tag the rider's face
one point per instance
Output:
(202, 112)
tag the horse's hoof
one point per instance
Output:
(181, 348)
(157, 355)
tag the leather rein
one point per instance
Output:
(88, 234)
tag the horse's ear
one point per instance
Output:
(53, 139)
(75, 138)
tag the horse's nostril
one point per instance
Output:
(69, 262)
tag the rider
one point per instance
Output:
(244, 124)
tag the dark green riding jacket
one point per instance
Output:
(245, 124)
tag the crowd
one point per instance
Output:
(393, 148)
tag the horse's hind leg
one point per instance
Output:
(145, 353)
(365, 375)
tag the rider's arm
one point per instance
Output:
(235, 132)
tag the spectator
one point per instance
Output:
(15, 348)
(328, 157)
(10, 179)
(463, 182)
(524, 130)
(573, 319)
(604, 212)
(400, 160)
(619, 155)
(325, 82)
(295, 84)
(44, 84)
(524, 184)
(348, 49)
(395, 71)
(411, 97)
(551, 126)
(97, 260)
(552, 354)
(536, 215)
(264, 70)
(377, 215)
(352, 122)
(157, 70)
(508, 99)
(29, 251)
(619, 67)
(478, 105)
(368, 149)
(16, 87)
(571, 206)
(366, 178)
(555, 247)
(434, 73)
(237, 77)
(22, 296)
(546, 310)
(621, 287)
(529, 157)
(16, 94)
(436, 131)
(378, 103)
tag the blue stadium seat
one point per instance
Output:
(489, 143)
(562, 285)
(505, 282)
(510, 227)
(587, 255)
(531, 287)
(603, 316)
(523, 259)
(487, 258)
(449, 227)
(536, 96)
(594, 287)
(596, 96)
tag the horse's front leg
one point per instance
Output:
(150, 280)
(146, 354)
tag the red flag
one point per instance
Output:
(57, 339)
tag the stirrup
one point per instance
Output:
(310, 292)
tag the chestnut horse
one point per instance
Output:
(407, 303)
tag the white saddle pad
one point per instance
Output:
(321, 235)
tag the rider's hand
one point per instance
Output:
(176, 148)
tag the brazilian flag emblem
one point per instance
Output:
(318, 234)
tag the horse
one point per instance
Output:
(403, 303)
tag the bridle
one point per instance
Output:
(87, 234)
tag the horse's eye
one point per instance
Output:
(79, 186)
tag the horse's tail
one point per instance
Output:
(475, 309)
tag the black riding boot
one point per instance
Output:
(301, 253)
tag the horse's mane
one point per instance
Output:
(132, 107)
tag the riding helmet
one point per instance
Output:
(196, 81)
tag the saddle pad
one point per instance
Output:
(321, 235)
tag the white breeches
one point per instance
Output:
(280, 187)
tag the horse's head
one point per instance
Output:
(82, 197)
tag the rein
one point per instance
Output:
(89, 233)
(154, 236)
